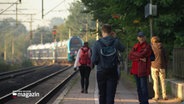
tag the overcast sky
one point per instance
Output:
(35, 7)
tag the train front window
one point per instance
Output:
(75, 44)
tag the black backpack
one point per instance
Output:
(108, 55)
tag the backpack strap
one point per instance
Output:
(106, 46)
(108, 54)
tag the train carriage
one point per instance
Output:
(57, 51)
(74, 44)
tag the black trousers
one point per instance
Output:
(107, 83)
(84, 72)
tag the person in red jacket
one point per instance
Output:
(141, 64)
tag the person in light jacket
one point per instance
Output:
(158, 67)
(84, 66)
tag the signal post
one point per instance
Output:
(54, 32)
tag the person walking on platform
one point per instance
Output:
(105, 56)
(141, 64)
(158, 67)
(83, 62)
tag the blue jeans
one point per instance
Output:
(107, 83)
(142, 89)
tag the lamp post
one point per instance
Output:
(151, 22)
(150, 11)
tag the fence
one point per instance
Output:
(178, 63)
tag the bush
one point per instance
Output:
(26, 63)
(8, 66)
(4, 67)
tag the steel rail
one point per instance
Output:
(11, 74)
(9, 96)
(45, 99)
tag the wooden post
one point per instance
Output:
(97, 37)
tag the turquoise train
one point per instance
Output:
(62, 51)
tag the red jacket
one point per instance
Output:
(77, 64)
(139, 67)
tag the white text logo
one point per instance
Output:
(25, 93)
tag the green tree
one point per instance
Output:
(76, 23)
(42, 35)
(14, 36)
(56, 21)
(124, 14)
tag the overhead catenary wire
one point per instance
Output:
(7, 8)
(49, 9)
(54, 7)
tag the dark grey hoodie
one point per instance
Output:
(96, 49)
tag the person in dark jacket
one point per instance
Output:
(141, 64)
(158, 67)
(106, 79)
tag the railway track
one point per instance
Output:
(16, 82)
(22, 71)
(45, 87)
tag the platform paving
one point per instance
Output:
(124, 94)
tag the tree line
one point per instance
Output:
(127, 17)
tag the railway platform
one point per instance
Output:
(125, 94)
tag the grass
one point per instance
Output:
(128, 79)
(10, 67)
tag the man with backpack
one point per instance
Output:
(105, 56)
(83, 62)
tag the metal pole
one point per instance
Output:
(5, 50)
(8, 3)
(13, 50)
(42, 9)
(97, 37)
(151, 32)
(16, 15)
(69, 34)
(151, 26)
(55, 50)
(41, 41)
(151, 22)
(86, 32)
(31, 32)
